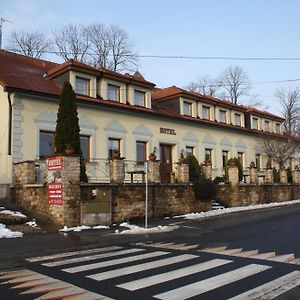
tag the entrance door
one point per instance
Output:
(165, 162)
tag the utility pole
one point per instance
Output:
(2, 20)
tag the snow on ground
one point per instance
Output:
(212, 213)
(82, 227)
(7, 233)
(12, 213)
(32, 224)
(134, 229)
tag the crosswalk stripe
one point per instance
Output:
(67, 254)
(114, 262)
(141, 267)
(91, 257)
(283, 258)
(272, 289)
(211, 283)
(167, 276)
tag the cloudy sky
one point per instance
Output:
(198, 28)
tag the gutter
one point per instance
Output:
(9, 123)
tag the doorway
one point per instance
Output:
(165, 151)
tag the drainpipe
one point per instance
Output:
(9, 123)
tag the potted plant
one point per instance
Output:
(152, 155)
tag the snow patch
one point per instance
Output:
(213, 213)
(32, 224)
(82, 227)
(12, 213)
(6, 233)
(134, 229)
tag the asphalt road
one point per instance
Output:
(264, 231)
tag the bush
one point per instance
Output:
(237, 163)
(289, 175)
(219, 179)
(195, 170)
(205, 189)
(276, 177)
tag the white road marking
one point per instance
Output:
(114, 262)
(156, 279)
(211, 283)
(67, 254)
(272, 289)
(141, 267)
(91, 257)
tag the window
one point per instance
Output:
(46, 144)
(189, 151)
(241, 158)
(187, 108)
(113, 145)
(267, 125)
(85, 147)
(277, 128)
(207, 155)
(113, 92)
(254, 123)
(141, 151)
(82, 86)
(222, 116)
(205, 112)
(257, 161)
(237, 119)
(224, 158)
(139, 98)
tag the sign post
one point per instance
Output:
(146, 192)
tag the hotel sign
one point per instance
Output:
(167, 131)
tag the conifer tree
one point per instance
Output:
(67, 126)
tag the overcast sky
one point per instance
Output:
(231, 28)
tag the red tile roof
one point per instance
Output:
(162, 95)
(21, 72)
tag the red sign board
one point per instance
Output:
(55, 193)
(55, 163)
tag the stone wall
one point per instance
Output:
(249, 194)
(128, 202)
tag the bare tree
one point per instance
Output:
(33, 44)
(205, 86)
(235, 82)
(72, 42)
(280, 149)
(123, 57)
(290, 104)
(99, 48)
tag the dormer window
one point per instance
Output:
(237, 119)
(254, 123)
(82, 86)
(267, 126)
(139, 98)
(187, 108)
(222, 116)
(113, 92)
(205, 112)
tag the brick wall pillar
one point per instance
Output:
(153, 174)
(207, 170)
(25, 173)
(233, 175)
(269, 176)
(283, 176)
(63, 177)
(253, 175)
(117, 171)
(296, 176)
(183, 173)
